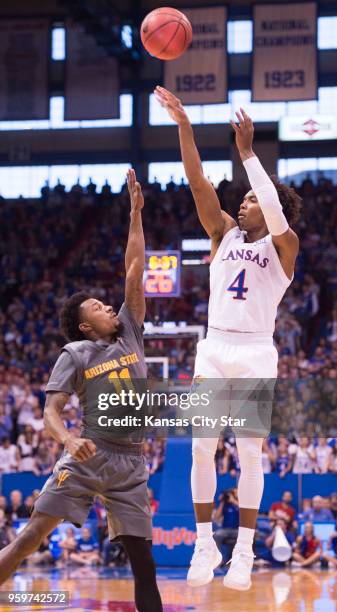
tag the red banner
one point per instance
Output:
(92, 78)
(24, 60)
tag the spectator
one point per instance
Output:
(154, 503)
(86, 550)
(5, 424)
(308, 548)
(16, 508)
(283, 509)
(302, 457)
(68, 544)
(113, 553)
(331, 553)
(268, 457)
(36, 421)
(3, 503)
(321, 454)
(226, 516)
(44, 460)
(333, 505)
(7, 534)
(9, 457)
(43, 555)
(27, 445)
(222, 457)
(269, 541)
(98, 513)
(317, 513)
(333, 460)
(283, 461)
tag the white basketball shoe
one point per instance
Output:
(239, 574)
(206, 558)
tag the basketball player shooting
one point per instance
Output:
(100, 341)
(252, 264)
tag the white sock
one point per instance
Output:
(245, 539)
(204, 530)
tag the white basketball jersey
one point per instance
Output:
(247, 283)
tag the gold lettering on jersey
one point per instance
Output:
(113, 364)
(129, 359)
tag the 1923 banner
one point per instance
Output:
(285, 52)
(24, 59)
(200, 75)
(92, 78)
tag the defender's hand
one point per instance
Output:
(80, 448)
(135, 191)
(244, 133)
(172, 104)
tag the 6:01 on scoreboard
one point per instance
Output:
(162, 273)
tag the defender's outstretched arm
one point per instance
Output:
(135, 252)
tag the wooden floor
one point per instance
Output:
(107, 590)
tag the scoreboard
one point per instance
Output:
(162, 273)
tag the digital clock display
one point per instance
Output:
(162, 273)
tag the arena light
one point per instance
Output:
(315, 127)
(196, 244)
(193, 262)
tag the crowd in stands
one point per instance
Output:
(301, 455)
(306, 549)
(70, 241)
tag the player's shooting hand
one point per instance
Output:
(80, 448)
(135, 191)
(244, 133)
(172, 104)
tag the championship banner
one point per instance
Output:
(285, 52)
(24, 59)
(92, 78)
(199, 76)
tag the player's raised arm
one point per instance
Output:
(284, 238)
(215, 221)
(135, 252)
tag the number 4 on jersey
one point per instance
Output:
(238, 287)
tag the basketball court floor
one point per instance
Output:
(92, 589)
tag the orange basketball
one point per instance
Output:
(166, 33)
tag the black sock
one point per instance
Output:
(147, 596)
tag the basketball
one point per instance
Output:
(166, 33)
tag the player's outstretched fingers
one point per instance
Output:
(240, 118)
(131, 179)
(234, 126)
(245, 116)
(168, 95)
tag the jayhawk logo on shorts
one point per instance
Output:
(61, 477)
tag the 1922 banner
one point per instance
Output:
(200, 75)
(92, 78)
(24, 58)
(285, 52)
